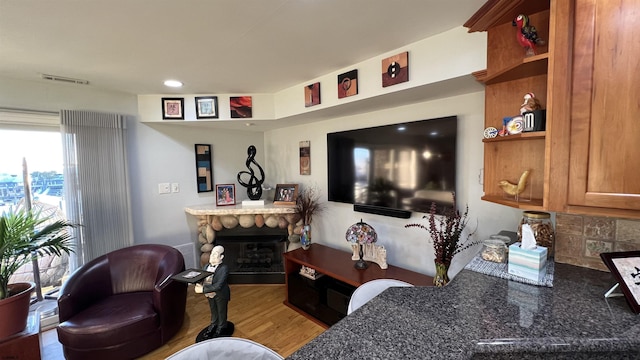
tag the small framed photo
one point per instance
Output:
(173, 108)
(225, 194)
(625, 267)
(206, 107)
(286, 194)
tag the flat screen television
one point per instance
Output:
(394, 170)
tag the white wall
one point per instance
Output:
(408, 248)
(157, 153)
(161, 153)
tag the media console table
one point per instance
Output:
(325, 299)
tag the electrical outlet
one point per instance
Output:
(175, 187)
(164, 188)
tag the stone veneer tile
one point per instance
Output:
(568, 245)
(628, 230)
(569, 224)
(593, 248)
(599, 228)
(626, 246)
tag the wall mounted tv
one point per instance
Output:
(394, 170)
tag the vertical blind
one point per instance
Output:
(96, 182)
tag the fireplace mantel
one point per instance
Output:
(239, 209)
(212, 219)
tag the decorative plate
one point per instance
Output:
(516, 125)
(490, 132)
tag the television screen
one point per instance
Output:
(394, 169)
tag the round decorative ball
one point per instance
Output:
(361, 233)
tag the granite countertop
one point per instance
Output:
(479, 316)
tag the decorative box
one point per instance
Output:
(535, 120)
(529, 264)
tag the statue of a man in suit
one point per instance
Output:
(216, 289)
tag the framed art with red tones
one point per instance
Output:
(312, 94)
(241, 107)
(348, 84)
(395, 69)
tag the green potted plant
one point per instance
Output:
(24, 234)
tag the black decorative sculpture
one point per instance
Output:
(254, 186)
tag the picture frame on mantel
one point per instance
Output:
(225, 194)
(172, 108)
(286, 194)
(625, 267)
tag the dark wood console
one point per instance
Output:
(325, 299)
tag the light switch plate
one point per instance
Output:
(164, 188)
(175, 187)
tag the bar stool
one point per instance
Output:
(371, 289)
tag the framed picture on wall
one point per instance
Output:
(206, 107)
(286, 194)
(203, 168)
(225, 194)
(173, 108)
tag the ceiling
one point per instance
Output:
(213, 46)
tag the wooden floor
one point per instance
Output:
(256, 310)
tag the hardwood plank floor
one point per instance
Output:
(256, 310)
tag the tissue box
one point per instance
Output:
(529, 264)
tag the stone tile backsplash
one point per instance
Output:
(580, 239)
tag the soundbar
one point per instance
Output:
(370, 209)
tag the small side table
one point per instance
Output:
(23, 345)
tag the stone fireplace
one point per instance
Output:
(254, 239)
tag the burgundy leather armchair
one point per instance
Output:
(122, 304)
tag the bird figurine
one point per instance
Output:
(515, 189)
(527, 34)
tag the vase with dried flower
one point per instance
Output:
(307, 205)
(446, 235)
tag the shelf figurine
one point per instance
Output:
(530, 103)
(515, 189)
(527, 34)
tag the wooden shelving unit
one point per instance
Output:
(509, 75)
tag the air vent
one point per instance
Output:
(65, 79)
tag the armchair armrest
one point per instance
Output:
(84, 287)
(170, 296)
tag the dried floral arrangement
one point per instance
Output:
(446, 232)
(308, 204)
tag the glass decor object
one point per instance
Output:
(361, 233)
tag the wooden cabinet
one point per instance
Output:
(588, 158)
(605, 108)
(325, 299)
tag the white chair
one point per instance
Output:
(371, 289)
(231, 348)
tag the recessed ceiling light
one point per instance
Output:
(173, 83)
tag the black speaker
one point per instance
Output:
(403, 214)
